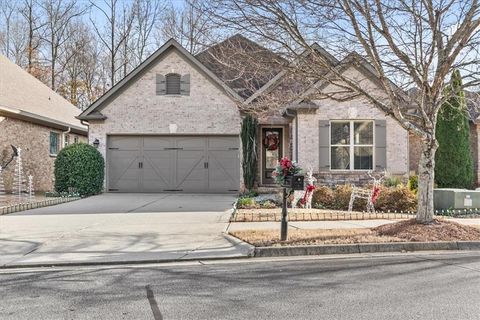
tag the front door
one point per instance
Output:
(272, 152)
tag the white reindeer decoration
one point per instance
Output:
(369, 194)
(307, 193)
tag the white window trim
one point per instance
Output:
(351, 145)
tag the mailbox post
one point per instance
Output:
(295, 182)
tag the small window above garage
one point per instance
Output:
(173, 84)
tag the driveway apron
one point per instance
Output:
(115, 228)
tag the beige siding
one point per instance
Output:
(34, 140)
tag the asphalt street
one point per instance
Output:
(397, 286)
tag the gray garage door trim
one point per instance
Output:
(173, 163)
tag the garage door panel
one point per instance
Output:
(123, 170)
(190, 164)
(223, 171)
(158, 143)
(125, 143)
(190, 170)
(223, 143)
(191, 143)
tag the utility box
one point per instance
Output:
(456, 199)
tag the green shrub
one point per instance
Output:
(453, 159)
(247, 203)
(413, 184)
(392, 181)
(249, 135)
(400, 198)
(267, 204)
(79, 167)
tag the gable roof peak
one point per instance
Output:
(171, 43)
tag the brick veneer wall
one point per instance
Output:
(34, 140)
(138, 110)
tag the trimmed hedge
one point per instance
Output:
(79, 167)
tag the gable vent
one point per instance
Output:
(173, 83)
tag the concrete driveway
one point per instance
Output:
(112, 228)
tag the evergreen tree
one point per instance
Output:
(453, 160)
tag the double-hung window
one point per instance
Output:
(351, 145)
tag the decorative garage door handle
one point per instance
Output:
(172, 148)
(140, 165)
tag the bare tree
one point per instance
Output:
(34, 34)
(147, 13)
(115, 32)
(60, 14)
(192, 28)
(406, 44)
(7, 10)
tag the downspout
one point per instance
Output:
(64, 133)
(293, 114)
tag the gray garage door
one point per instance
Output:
(180, 163)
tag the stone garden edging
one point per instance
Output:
(364, 248)
(36, 204)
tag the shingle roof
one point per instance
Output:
(242, 64)
(23, 94)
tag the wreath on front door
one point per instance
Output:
(271, 141)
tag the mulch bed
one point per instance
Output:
(438, 230)
(403, 231)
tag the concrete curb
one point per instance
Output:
(36, 204)
(245, 247)
(364, 248)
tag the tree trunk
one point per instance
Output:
(426, 175)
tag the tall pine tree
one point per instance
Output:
(453, 160)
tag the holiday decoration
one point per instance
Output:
(285, 168)
(271, 141)
(31, 191)
(304, 198)
(19, 182)
(2, 185)
(371, 195)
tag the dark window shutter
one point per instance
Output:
(160, 88)
(173, 83)
(324, 145)
(185, 85)
(380, 144)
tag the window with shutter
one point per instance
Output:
(173, 83)
(352, 145)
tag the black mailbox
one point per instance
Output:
(298, 182)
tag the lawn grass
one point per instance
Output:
(408, 230)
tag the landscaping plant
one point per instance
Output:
(79, 167)
(453, 160)
(249, 147)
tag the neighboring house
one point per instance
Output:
(37, 120)
(173, 123)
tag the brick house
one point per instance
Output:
(173, 124)
(37, 120)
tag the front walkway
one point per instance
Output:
(114, 228)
